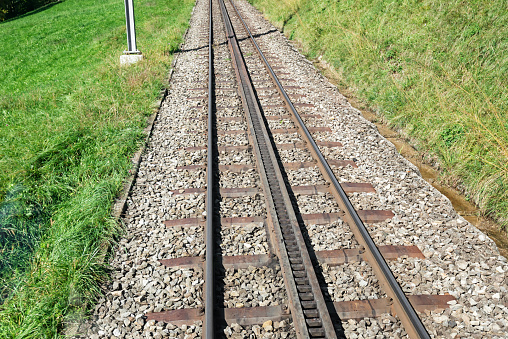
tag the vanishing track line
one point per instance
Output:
(234, 94)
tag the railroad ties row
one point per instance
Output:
(237, 163)
(242, 287)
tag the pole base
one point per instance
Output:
(128, 59)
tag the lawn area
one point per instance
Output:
(70, 120)
(436, 69)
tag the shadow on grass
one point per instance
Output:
(178, 50)
(35, 11)
(21, 224)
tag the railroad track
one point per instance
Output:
(247, 94)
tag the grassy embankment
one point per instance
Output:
(70, 120)
(436, 69)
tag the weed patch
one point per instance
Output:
(452, 134)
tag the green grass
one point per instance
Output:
(70, 120)
(436, 69)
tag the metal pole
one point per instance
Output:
(131, 29)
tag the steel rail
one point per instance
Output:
(308, 308)
(402, 306)
(210, 232)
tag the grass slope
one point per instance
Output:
(437, 69)
(70, 119)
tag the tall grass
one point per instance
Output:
(437, 69)
(70, 120)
